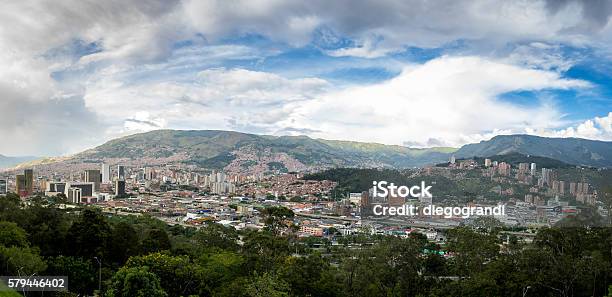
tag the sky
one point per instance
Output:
(76, 73)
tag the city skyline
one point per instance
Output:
(394, 73)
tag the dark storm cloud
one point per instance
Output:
(595, 13)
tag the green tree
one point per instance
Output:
(473, 249)
(156, 240)
(81, 273)
(266, 285)
(264, 251)
(309, 276)
(47, 228)
(10, 209)
(219, 269)
(178, 276)
(123, 243)
(135, 282)
(20, 261)
(214, 235)
(12, 235)
(277, 219)
(88, 236)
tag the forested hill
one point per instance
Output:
(573, 151)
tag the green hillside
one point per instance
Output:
(216, 149)
(574, 151)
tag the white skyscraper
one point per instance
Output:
(533, 168)
(105, 173)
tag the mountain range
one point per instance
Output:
(575, 151)
(251, 153)
(238, 152)
(7, 162)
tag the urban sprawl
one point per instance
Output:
(190, 196)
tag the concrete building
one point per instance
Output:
(3, 186)
(105, 173)
(54, 188)
(93, 176)
(74, 195)
(547, 177)
(366, 203)
(29, 180)
(119, 188)
(395, 200)
(572, 188)
(84, 195)
(20, 185)
(120, 172)
(504, 169)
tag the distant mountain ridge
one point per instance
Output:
(235, 151)
(7, 162)
(250, 153)
(574, 151)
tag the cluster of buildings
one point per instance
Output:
(88, 187)
(191, 196)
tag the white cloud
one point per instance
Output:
(367, 48)
(450, 98)
(142, 122)
(218, 98)
(135, 80)
(598, 128)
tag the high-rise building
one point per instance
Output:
(452, 159)
(572, 188)
(487, 162)
(29, 181)
(504, 168)
(149, 173)
(547, 176)
(366, 203)
(93, 176)
(20, 185)
(120, 172)
(533, 168)
(105, 173)
(561, 187)
(3, 186)
(555, 187)
(395, 200)
(119, 188)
